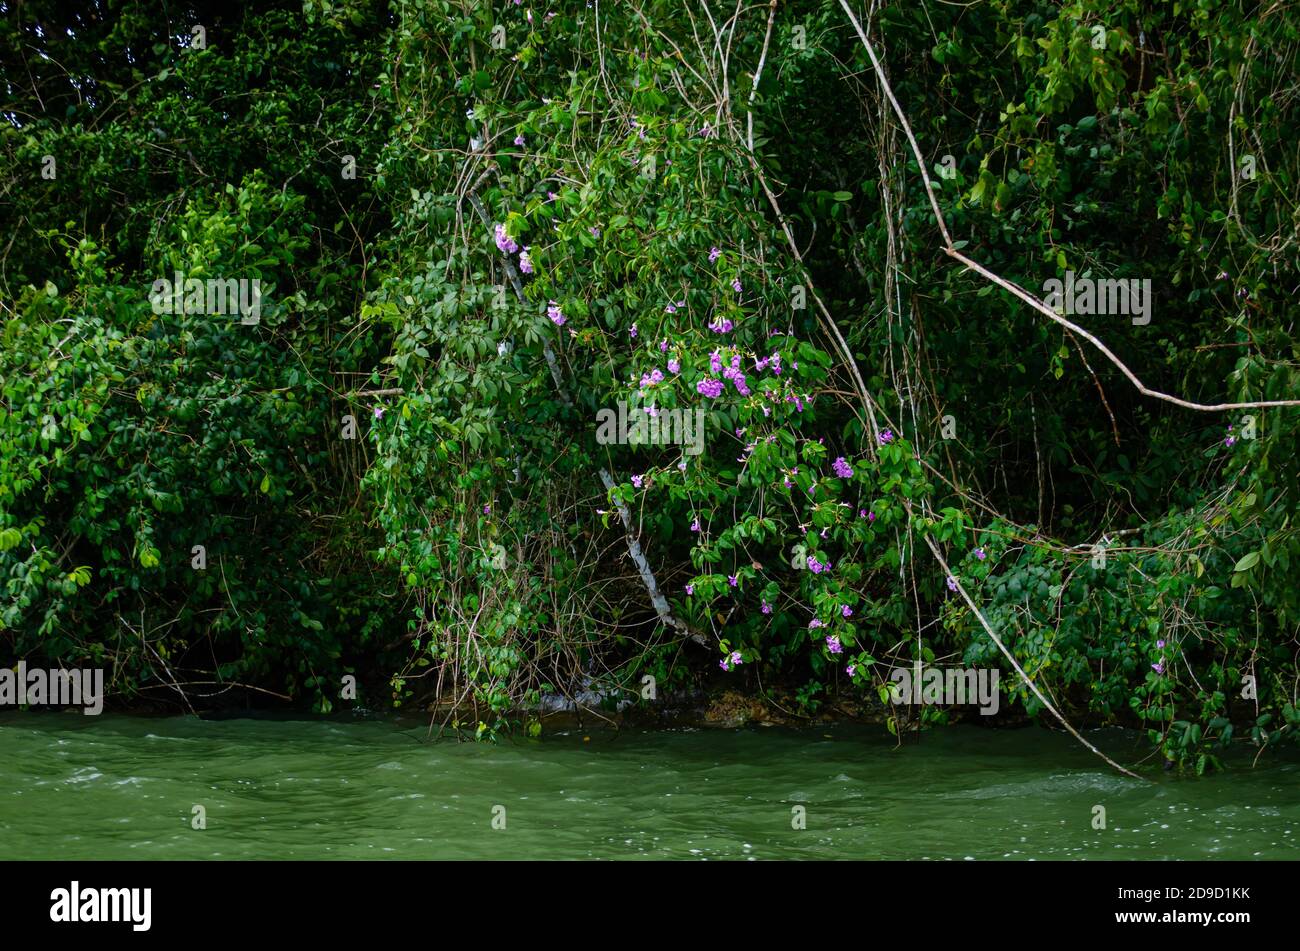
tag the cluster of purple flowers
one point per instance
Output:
(709, 387)
(508, 245)
(650, 379)
(722, 326)
(557, 316)
(504, 241)
(731, 660)
(736, 376)
(842, 468)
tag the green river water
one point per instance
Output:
(114, 787)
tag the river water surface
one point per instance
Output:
(114, 787)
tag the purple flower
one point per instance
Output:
(525, 262)
(695, 525)
(663, 346)
(731, 580)
(638, 480)
(557, 316)
(979, 553)
(815, 566)
(710, 388)
(519, 140)
(379, 412)
(690, 589)
(714, 254)
(833, 644)
(631, 331)
(846, 611)
(715, 362)
(504, 241)
(674, 365)
(735, 285)
(487, 510)
(1160, 644)
(1159, 668)
(871, 516)
(842, 468)
(767, 608)
(885, 437)
(815, 623)
(551, 196)
(952, 583)
(851, 669)
(722, 326)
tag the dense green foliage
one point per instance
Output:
(1135, 555)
